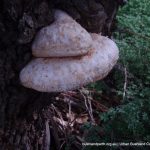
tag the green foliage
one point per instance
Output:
(131, 120)
(92, 133)
(134, 42)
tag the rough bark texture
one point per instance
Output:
(19, 22)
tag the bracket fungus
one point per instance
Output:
(60, 71)
(65, 37)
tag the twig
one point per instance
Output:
(59, 114)
(54, 131)
(69, 111)
(91, 110)
(134, 33)
(62, 145)
(125, 83)
(47, 136)
(120, 67)
(88, 108)
(100, 106)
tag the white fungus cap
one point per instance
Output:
(63, 74)
(65, 37)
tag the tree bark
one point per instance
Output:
(19, 22)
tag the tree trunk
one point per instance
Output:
(19, 22)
